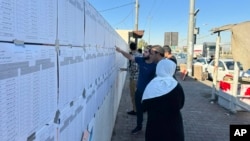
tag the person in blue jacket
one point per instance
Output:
(146, 74)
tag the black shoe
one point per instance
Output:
(136, 130)
(131, 112)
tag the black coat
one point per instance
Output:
(164, 117)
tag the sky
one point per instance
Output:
(159, 16)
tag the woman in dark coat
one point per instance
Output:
(163, 99)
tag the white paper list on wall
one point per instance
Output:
(39, 81)
(32, 21)
(71, 22)
(71, 74)
(28, 78)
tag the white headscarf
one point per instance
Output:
(164, 82)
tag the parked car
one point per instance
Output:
(181, 59)
(203, 61)
(225, 68)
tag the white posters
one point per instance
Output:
(37, 78)
(71, 74)
(28, 88)
(71, 22)
(30, 21)
(71, 121)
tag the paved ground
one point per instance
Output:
(203, 121)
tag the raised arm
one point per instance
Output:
(125, 54)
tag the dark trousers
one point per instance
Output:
(139, 108)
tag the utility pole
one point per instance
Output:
(196, 29)
(190, 41)
(149, 30)
(136, 17)
(136, 14)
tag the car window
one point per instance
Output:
(203, 61)
(230, 65)
(221, 65)
(182, 55)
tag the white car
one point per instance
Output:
(225, 68)
(203, 62)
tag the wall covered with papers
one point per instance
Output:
(58, 71)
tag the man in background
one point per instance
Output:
(211, 59)
(133, 76)
(146, 74)
(168, 54)
(139, 50)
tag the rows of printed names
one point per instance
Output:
(83, 72)
(28, 88)
(41, 22)
(29, 97)
(30, 21)
(71, 22)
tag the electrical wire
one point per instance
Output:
(123, 20)
(117, 7)
(149, 14)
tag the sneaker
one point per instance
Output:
(131, 112)
(136, 130)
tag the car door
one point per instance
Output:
(221, 70)
(205, 64)
(210, 69)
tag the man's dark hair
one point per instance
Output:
(132, 46)
(167, 48)
(139, 50)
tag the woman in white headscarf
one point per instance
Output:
(163, 99)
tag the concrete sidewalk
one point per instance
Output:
(203, 121)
